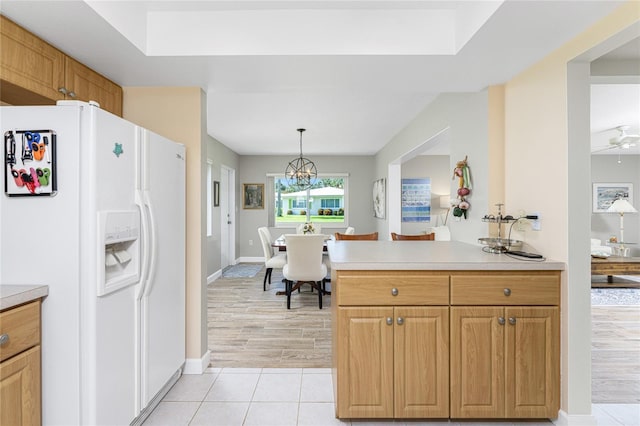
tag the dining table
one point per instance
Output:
(281, 244)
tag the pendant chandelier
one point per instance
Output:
(301, 171)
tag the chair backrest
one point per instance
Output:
(372, 236)
(316, 226)
(265, 239)
(350, 230)
(304, 256)
(423, 237)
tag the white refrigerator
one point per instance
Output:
(94, 207)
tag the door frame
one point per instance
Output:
(228, 208)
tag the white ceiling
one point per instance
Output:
(352, 72)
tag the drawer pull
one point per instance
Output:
(507, 292)
(389, 321)
(501, 320)
(4, 339)
(512, 320)
(394, 291)
(400, 320)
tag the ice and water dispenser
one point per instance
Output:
(118, 250)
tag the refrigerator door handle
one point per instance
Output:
(152, 244)
(144, 269)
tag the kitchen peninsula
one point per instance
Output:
(441, 329)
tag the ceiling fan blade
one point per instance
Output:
(606, 148)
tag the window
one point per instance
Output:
(324, 202)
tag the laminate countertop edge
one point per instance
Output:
(14, 295)
(428, 255)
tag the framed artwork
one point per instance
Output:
(216, 193)
(253, 196)
(416, 200)
(379, 198)
(604, 194)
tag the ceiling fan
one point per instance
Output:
(623, 141)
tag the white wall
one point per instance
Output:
(465, 115)
(605, 169)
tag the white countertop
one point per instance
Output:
(426, 255)
(13, 295)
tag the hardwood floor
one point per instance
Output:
(248, 327)
(615, 354)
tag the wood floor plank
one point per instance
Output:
(248, 327)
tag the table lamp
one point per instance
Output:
(621, 206)
(445, 203)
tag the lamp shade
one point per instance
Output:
(445, 202)
(621, 206)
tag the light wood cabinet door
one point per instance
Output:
(477, 362)
(421, 362)
(84, 84)
(532, 343)
(365, 362)
(20, 389)
(27, 62)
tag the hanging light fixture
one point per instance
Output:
(301, 171)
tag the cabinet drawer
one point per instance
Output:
(22, 326)
(505, 289)
(392, 288)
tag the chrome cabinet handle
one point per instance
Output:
(389, 321)
(72, 94)
(501, 320)
(512, 320)
(400, 320)
(507, 292)
(62, 90)
(4, 339)
(394, 291)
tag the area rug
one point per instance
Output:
(615, 296)
(242, 270)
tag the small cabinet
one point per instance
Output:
(32, 72)
(20, 383)
(392, 358)
(505, 360)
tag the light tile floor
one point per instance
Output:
(295, 396)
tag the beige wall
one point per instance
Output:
(178, 114)
(496, 151)
(547, 170)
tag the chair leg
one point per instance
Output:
(288, 291)
(319, 294)
(267, 274)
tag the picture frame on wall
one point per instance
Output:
(253, 196)
(216, 193)
(604, 194)
(379, 198)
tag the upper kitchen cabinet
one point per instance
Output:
(32, 72)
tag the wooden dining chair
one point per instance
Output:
(372, 236)
(423, 237)
(304, 264)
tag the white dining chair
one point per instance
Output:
(271, 260)
(304, 264)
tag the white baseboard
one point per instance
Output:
(565, 419)
(211, 278)
(197, 365)
(250, 260)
